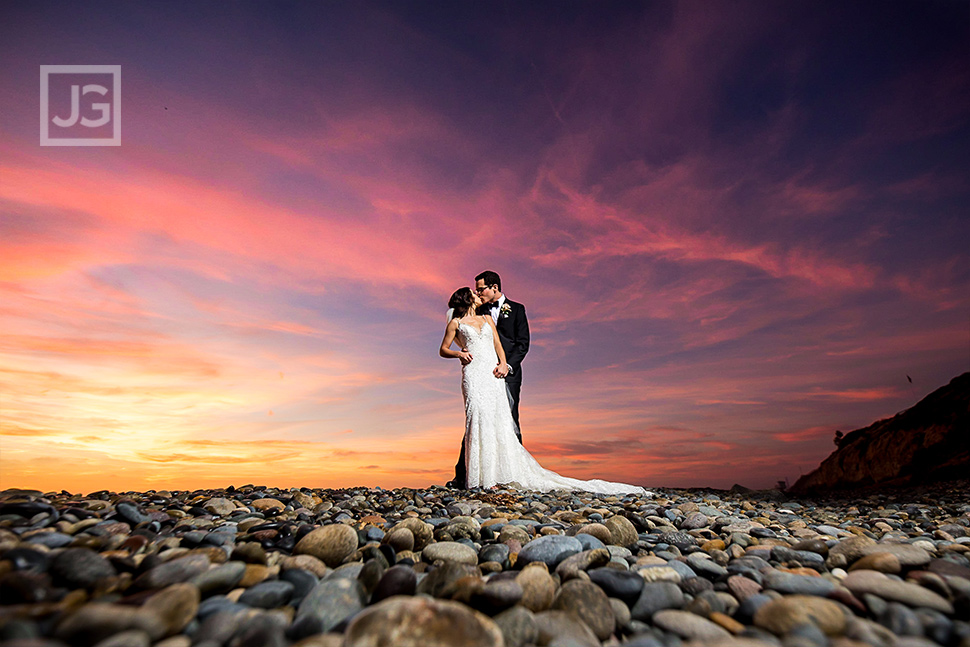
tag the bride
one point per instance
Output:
(493, 454)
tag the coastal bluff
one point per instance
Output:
(927, 443)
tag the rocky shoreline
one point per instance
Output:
(262, 567)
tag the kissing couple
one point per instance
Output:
(492, 336)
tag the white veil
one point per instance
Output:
(450, 315)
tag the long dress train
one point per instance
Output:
(493, 454)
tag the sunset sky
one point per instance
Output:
(736, 227)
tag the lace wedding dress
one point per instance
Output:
(493, 454)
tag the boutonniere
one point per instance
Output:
(505, 310)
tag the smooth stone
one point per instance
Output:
(422, 532)
(882, 562)
(901, 620)
(497, 596)
(589, 542)
(99, 620)
(688, 625)
(797, 584)
(421, 622)
(695, 521)
(782, 615)
(661, 573)
(742, 587)
(303, 582)
(130, 638)
(518, 626)
(330, 544)
(267, 595)
(450, 551)
(397, 580)
(400, 539)
(221, 579)
(597, 531)
(332, 601)
(851, 549)
(538, 587)
(131, 513)
(624, 585)
(908, 555)
(267, 504)
(175, 606)
(173, 572)
(50, 539)
(219, 506)
(564, 628)
(656, 596)
(494, 553)
(571, 567)
(80, 568)
(702, 565)
(549, 549)
(914, 595)
(263, 630)
(249, 552)
(590, 604)
(622, 531)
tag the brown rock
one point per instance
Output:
(622, 531)
(267, 504)
(882, 562)
(404, 621)
(539, 589)
(331, 544)
(597, 530)
(590, 605)
(782, 615)
(175, 606)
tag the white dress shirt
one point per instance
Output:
(497, 307)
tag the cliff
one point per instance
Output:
(926, 443)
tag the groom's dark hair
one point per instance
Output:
(490, 278)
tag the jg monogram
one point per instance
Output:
(107, 112)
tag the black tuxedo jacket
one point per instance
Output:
(513, 333)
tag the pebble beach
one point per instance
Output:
(255, 566)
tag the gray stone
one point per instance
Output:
(564, 628)
(267, 595)
(797, 584)
(695, 521)
(221, 579)
(909, 556)
(879, 584)
(173, 572)
(332, 602)
(624, 585)
(80, 568)
(655, 597)
(688, 625)
(518, 626)
(549, 549)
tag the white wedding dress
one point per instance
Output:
(493, 454)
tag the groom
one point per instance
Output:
(513, 333)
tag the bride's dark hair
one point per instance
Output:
(462, 301)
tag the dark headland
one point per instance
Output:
(927, 443)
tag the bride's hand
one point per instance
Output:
(501, 370)
(464, 357)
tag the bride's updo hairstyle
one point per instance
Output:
(461, 301)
